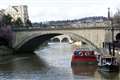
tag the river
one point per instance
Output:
(52, 62)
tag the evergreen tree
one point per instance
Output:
(18, 22)
(7, 20)
(28, 23)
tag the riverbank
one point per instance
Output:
(5, 50)
(5, 53)
(117, 55)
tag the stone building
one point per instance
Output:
(1, 16)
(16, 12)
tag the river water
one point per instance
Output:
(52, 62)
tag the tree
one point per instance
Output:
(28, 23)
(7, 20)
(18, 22)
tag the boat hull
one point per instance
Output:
(84, 70)
(109, 68)
(78, 60)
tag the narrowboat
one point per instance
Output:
(108, 63)
(84, 57)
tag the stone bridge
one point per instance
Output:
(61, 38)
(29, 39)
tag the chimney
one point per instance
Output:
(108, 13)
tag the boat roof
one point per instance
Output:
(107, 56)
(84, 49)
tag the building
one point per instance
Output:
(2, 11)
(16, 12)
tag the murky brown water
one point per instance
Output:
(52, 62)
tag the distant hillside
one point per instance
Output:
(70, 22)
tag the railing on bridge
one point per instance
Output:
(94, 25)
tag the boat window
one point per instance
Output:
(76, 52)
(108, 59)
(86, 54)
(81, 53)
(103, 61)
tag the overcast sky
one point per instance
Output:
(46, 10)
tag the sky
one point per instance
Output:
(48, 10)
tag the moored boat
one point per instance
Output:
(84, 57)
(108, 63)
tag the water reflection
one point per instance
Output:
(23, 62)
(109, 75)
(84, 70)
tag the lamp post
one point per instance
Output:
(112, 34)
(112, 30)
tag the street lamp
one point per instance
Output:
(112, 30)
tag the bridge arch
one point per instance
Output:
(65, 39)
(62, 38)
(55, 40)
(118, 37)
(30, 43)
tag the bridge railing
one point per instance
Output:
(92, 25)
